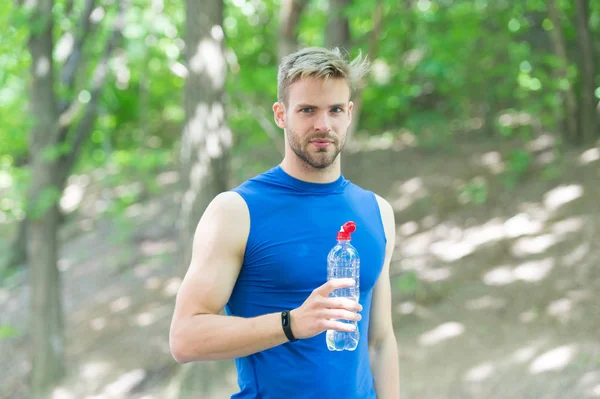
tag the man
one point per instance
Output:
(260, 250)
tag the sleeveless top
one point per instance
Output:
(293, 226)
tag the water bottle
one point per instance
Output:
(343, 262)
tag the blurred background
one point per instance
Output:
(122, 119)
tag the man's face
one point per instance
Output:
(316, 119)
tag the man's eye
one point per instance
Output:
(306, 110)
(337, 110)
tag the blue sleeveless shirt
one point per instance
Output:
(293, 226)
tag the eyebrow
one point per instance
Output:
(340, 105)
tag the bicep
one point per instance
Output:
(217, 256)
(381, 306)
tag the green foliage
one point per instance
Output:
(474, 192)
(518, 163)
(14, 60)
(408, 283)
(7, 332)
(440, 68)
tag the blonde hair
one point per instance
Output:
(319, 63)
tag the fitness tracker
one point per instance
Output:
(286, 323)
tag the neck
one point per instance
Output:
(299, 169)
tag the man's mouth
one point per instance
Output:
(321, 143)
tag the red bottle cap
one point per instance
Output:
(347, 229)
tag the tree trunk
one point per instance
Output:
(374, 38)
(206, 140)
(46, 317)
(82, 131)
(205, 144)
(18, 248)
(567, 95)
(589, 121)
(290, 13)
(338, 28)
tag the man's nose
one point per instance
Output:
(322, 123)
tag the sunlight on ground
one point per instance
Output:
(142, 270)
(567, 226)
(409, 192)
(534, 270)
(439, 274)
(524, 355)
(493, 162)
(408, 228)
(555, 359)
(529, 271)
(486, 302)
(172, 286)
(94, 371)
(126, 382)
(589, 156)
(561, 195)
(527, 246)
(528, 316)
(145, 319)
(153, 283)
(441, 333)
(120, 304)
(541, 143)
(480, 373)
(385, 141)
(62, 393)
(577, 255)
(98, 323)
(406, 307)
(590, 383)
(560, 308)
(152, 248)
(522, 224)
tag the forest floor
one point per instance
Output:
(495, 288)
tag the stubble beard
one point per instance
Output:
(320, 159)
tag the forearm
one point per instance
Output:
(213, 337)
(386, 370)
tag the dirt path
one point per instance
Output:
(496, 300)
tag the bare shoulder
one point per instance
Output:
(227, 212)
(387, 213)
(224, 226)
(228, 204)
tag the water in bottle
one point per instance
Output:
(343, 262)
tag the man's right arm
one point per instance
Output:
(199, 332)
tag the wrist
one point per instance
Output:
(286, 325)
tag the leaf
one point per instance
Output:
(7, 331)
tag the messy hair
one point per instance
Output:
(319, 63)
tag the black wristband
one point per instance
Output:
(286, 323)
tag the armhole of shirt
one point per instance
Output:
(381, 222)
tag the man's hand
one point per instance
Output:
(319, 312)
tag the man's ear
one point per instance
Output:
(279, 114)
(350, 108)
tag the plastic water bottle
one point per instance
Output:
(343, 262)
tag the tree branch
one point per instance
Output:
(69, 7)
(74, 59)
(88, 120)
